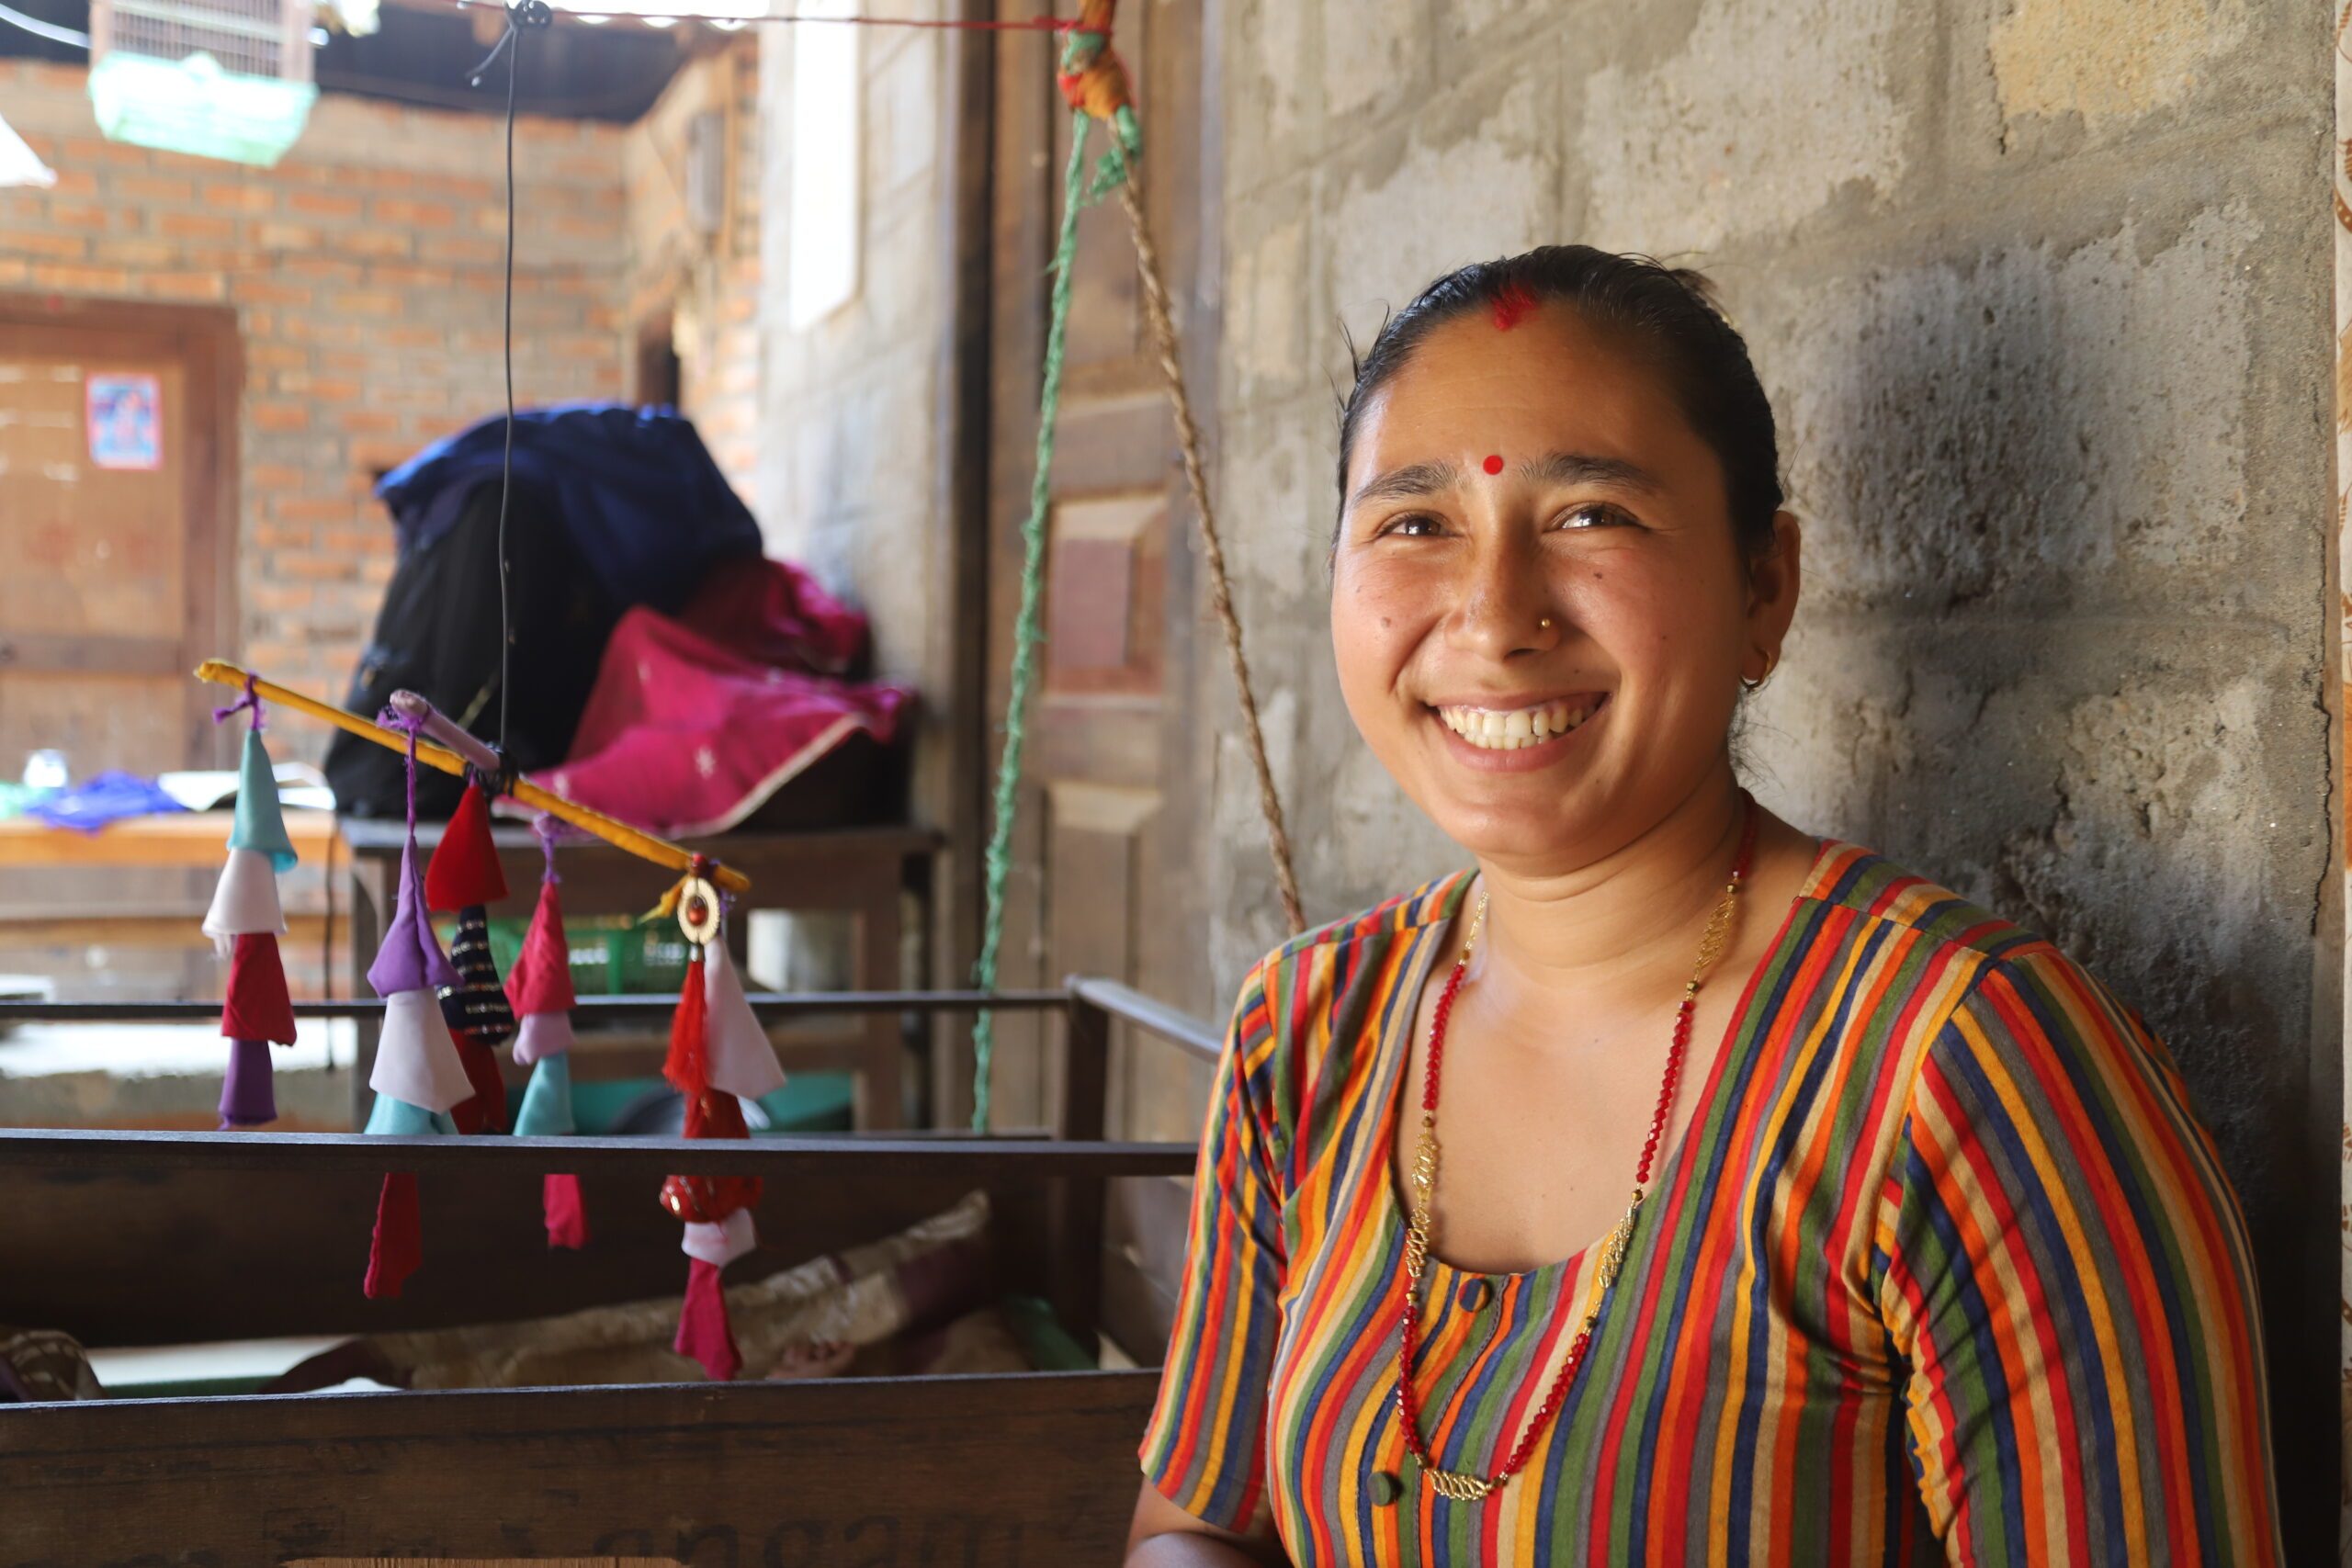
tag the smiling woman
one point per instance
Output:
(1926, 1256)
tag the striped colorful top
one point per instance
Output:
(1945, 1264)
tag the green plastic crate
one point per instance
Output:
(612, 955)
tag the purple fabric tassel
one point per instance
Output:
(248, 1098)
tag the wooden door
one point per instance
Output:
(1099, 884)
(115, 486)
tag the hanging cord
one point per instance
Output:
(408, 724)
(249, 703)
(1027, 627)
(1188, 437)
(535, 15)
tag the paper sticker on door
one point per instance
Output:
(125, 415)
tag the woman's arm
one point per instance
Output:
(2064, 1269)
(1165, 1536)
(1204, 1451)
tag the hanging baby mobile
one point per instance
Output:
(244, 923)
(447, 1013)
(719, 1057)
(419, 1077)
(539, 991)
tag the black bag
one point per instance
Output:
(438, 635)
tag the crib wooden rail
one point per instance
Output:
(148, 1237)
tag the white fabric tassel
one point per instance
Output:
(415, 1059)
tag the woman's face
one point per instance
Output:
(1539, 614)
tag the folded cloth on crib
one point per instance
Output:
(926, 1274)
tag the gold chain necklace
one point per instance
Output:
(1464, 1486)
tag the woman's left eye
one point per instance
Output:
(1594, 514)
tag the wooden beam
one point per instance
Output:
(1029, 1468)
(799, 1164)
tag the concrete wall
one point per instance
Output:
(2039, 289)
(849, 449)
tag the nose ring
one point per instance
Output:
(1543, 623)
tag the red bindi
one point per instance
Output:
(1495, 464)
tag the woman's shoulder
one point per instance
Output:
(1868, 892)
(1337, 949)
(1953, 944)
(1331, 981)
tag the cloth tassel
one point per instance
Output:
(464, 869)
(566, 1215)
(398, 1246)
(244, 901)
(687, 1066)
(479, 1005)
(485, 1110)
(546, 1101)
(258, 1005)
(704, 1332)
(416, 1059)
(542, 1036)
(248, 1097)
(743, 1058)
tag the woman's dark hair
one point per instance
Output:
(1667, 312)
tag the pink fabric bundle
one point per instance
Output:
(695, 721)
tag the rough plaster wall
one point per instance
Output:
(2037, 287)
(849, 421)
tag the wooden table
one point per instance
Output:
(192, 841)
(860, 872)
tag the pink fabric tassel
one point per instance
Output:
(704, 1332)
(567, 1216)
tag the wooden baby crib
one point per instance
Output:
(141, 1239)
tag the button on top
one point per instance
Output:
(1474, 1293)
(1386, 1487)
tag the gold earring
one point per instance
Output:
(1772, 663)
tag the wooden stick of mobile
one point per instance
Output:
(620, 835)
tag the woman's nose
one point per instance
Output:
(1506, 606)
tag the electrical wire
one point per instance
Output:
(39, 29)
(506, 464)
(520, 15)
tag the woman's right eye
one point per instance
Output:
(1414, 525)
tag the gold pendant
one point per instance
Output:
(1461, 1485)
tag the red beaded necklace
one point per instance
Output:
(1464, 1486)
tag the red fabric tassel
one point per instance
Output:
(486, 1112)
(707, 1200)
(258, 1007)
(464, 869)
(567, 1216)
(688, 1065)
(704, 1332)
(398, 1247)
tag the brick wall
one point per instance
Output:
(365, 274)
(709, 284)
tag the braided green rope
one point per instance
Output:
(1027, 629)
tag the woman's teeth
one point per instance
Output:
(1502, 730)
